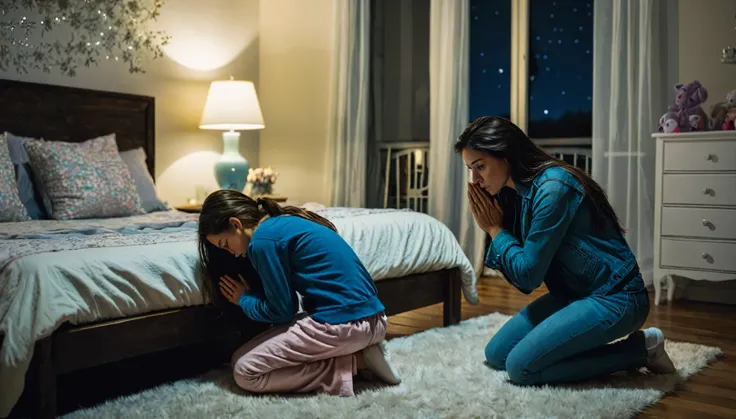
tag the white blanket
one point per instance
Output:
(91, 270)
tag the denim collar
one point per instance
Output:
(523, 189)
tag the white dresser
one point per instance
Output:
(695, 208)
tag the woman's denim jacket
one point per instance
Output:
(561, 246)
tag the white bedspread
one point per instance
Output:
(89, 270)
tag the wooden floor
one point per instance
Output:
(709, 394)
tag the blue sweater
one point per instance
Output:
(292, 254)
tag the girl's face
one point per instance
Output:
(234, 240)
(489, 172)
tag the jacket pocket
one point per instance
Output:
(582, 269)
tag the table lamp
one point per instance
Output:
(232, 105)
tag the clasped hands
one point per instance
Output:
(232, 289)
(486, 210)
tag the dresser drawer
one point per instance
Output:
(697, 156)
(691, 254)
(699, 189)
(709, 223)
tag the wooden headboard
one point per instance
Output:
(57, 113)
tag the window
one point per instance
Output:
(560, 68)
(490, 58)
(556, 98)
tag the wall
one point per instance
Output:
(210, 40)
(704, 29)
(295, 60)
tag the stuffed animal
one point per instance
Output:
(697, 123)
(668, 123)
(686, 114)
(723, 114)
(689, 96)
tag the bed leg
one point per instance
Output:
(45, 385)
(452, 303)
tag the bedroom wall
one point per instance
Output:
(705, 28)
(295, 58)
(210, 41)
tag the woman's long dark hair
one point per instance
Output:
(504, 140)
(214, 218)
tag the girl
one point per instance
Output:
(556, 226)
(296, 251)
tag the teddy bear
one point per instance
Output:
(723, 114)
(668, 123)
(686, 114)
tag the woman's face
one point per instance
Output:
(234, 240)
(489, 172)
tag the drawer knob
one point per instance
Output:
(705, 256)
(707, 191)
(710, 157)
(705, 222)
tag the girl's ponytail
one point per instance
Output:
(272, 208)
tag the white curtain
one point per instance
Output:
(349, 104)
(630, 93)
(449, 38)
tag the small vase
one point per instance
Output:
(259, 189)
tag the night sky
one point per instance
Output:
(560, 65)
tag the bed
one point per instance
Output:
(81, 293)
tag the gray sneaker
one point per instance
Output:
(377, 362)
(658, 361)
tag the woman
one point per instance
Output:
(556, 226)
(295, 251)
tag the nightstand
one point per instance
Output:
(196, 208)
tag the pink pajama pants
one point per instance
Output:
(306, 356)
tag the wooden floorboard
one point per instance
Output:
(710, 393)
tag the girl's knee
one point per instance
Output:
(245, 378)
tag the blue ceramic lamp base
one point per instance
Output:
(231, 171)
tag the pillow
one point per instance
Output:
(136, 161)
(29, 195)
(11, 207)
(84, 180)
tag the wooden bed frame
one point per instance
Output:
(58, 113)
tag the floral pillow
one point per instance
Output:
(11, 207)
(84, 180)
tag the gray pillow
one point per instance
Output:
(29, 195)
(136, 161)
(11, 207)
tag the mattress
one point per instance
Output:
(82, 271)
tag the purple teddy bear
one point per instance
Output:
(686, 114)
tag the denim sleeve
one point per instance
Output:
(553, 209)
(275, 304)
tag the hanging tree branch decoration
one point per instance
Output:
(98, 30)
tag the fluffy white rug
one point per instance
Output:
(444, 375)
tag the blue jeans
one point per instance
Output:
(553, 340)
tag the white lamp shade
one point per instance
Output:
(232, 105)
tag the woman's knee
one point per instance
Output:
(518, 367)
(496, 352)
